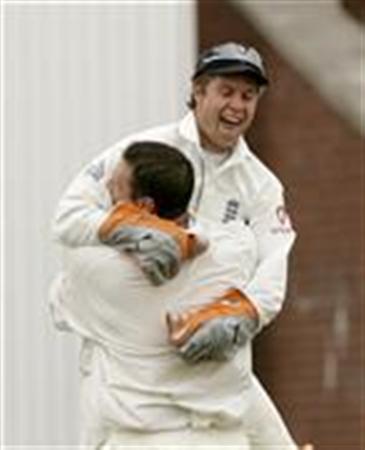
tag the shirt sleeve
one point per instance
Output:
(84, 205)
(275, 236)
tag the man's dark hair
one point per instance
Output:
(162, 173)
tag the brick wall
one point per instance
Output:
(356, 9)
(311, 359)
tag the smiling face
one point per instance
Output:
(224, 109)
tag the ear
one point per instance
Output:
(110, 185)
(198, 89)
(147, 203)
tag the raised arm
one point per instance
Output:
(84, 205)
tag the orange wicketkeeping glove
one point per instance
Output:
(182, 326)
(132, 214)
(159, 245)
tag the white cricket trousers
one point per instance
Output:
(263, 429)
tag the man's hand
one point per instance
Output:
(156, 253)
(219, 339)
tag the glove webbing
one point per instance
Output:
(182, 326)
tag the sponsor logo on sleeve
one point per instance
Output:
(96, 170)
(283, 223)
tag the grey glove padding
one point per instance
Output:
(219, 339)
(157, 253)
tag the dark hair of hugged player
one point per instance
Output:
(163, 174)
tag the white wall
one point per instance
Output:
(77, 78)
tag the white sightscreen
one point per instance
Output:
(77, 77)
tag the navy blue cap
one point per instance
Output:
(231, 58)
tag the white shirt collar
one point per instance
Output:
(189, 130)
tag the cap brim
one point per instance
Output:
(239, 68)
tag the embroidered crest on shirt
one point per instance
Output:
(231, 211)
